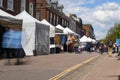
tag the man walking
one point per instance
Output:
(76, 45)
(110, 48)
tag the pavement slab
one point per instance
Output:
(101, 68)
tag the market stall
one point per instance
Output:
(54, 48)
(35, 36)
(10, 36)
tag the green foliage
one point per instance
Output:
(112, 34)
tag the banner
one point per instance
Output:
(12, 39)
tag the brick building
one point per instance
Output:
(75, 24)
(79, 27)
(16, 6)
(52, 11)
(89, 31)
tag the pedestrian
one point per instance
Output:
(76, 45)
(114, 48)
(101, 48)
(110, 46)
(118, 52)
(89, 47)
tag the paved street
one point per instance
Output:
(107, 68)
(101, 68)
(39, 30)
(83, 66)
(41, 67)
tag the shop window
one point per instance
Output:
(10, 4)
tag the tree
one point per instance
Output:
(112, 34)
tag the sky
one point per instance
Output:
(101, 14)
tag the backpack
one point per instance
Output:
(110, 44)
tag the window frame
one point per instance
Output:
(1, 3)
(31, 7)
(23, 5)
(38, 15)
(10, 4)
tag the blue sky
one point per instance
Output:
(101, 14)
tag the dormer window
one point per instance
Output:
(54, 3)
(60, 7)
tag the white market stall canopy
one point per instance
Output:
(52, 28)
(87, 39)
(59, 27)
(26, 17)
(83, 39)
(5, 14)
(31, 39)
(10, 19)
(68, 31)
(91, 40)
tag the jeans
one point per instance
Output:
(110, 51)
(76, 50)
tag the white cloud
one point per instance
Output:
(99, 35)
(109, 6)
(107, 12)
(102, 17)
(71, 6)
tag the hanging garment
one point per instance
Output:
(62, 39)
(72, 38)
(57, 39)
